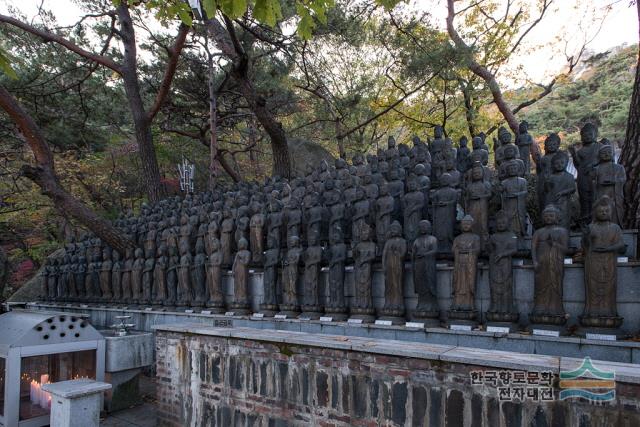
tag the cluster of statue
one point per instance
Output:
(402, 205)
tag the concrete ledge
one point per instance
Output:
(613, 351)
(625, 372)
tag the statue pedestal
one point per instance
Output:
(394, 315)
(240, 309)
(337, 314)
(268, 310)
(288, 311)
(216, 307)
(462, 319)
(362, 315)
(503, 327)
(601, 328)
(310, 312)
(430, 318)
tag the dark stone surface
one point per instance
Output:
(455, 409)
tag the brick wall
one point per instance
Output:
(221, 381)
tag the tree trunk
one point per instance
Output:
(142, 124)
(213, 119)
(630, 156)
(257, 104)
(45, 177)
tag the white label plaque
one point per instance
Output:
(258, 315)
(501, 329)
(188, 311)
(148, 309)
(568, 261)
(205, 312)
(84, 305)
(230, 313)
(460, 327)
(546, 332)
(623, 259)
(414, 325)
(355, 321)
(326, 319)
(604, 337)
(280, 316)
(384, 322)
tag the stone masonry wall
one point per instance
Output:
(221, 381)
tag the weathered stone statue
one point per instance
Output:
(510, 157)
(81, 272)
(585, 160)
(444, 202)
(463, 155)
(335, 306)
(384, 210)
(147, 275)
(559, 186)
(213, 231)
(503, 244)
(269, 306)
(290, 266)
(199, 276)
(137, 270)
(423, 261)
(310, 306)
(293, 214)
(226, 237)
(524, 142)
(396, 190)
(215, 302)
(105, 275)
(609, 180)
(240, 304)
(116, 277)
(602, 243)
(466, 248)
(313, 219)
(159, 291)
(514, 198)
(395, 249)
(172, 277)
(549, 245)
(544, 168)
(126, 276)
(363, 254)
(242, 225)
(476, 201)
(275, 222)
(183, 297)
(412, 209)
(361, 211)
(481, 149)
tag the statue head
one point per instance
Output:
(552, 143)
(395, 230)
(476, 143)
(510, 152)
(466, 223)
(477, 173)
(162, 250)
(243, 244)
(504, 136)
(293, 242)
(512, 169)
(138, 253)
(602, 209)
(551, 215)
(214, 242)
(559, 161)
(420, 169)
(365, 233)
(502, 221)
(437, 132)
(416, 140)
(446, 180)
(384, 189)
(403, 149)
(115, 255)
(523, 127)
(424, 227)
(106, 253)
(463, 141)
(391, 142)
(605, 153)
(588, 133)
(411, 185)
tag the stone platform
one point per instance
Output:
(244, 376)
(146, 320)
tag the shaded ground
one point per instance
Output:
(139, 416)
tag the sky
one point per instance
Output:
(568, 22)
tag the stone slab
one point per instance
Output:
(73, 389)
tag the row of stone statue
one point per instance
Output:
(292, 277)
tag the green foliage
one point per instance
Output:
(5, 64)
(599, 94)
